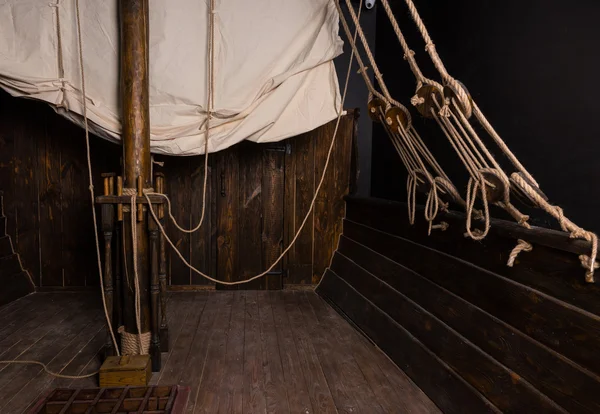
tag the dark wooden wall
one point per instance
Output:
(267, 190)
(258, 196)
(43, 174)
(474, 334)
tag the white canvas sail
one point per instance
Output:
(274, 75)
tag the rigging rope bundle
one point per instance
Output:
(451, 106)
(396, 121)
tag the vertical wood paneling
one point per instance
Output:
(251, 200)
(43, 173)
(200, 240)
(26, 203)
(323, 219)
(228, 215)
(178, 189)
(51, 217)
(300, 270)
(273, 214)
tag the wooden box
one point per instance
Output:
(126, 370)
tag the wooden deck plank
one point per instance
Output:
(297, 390)
(354, 377)
(206, 398)
(192, 375)
(172, 370)
(58, 335)
(239, 351)
(40, 382)
(384, 378)
(230, 400)
(275, 391)
(13, 326)
(178, 309)
(254, 378)
(318, 390)
(333, 369)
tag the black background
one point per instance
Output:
(532, 66)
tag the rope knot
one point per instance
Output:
(410, 52)
(586, 261)
(522, 246)
(580, 234)
(443, 226)
(445, 111)
(417, 100)
(362, 70)
(430, 47)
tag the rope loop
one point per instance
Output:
(522, 246)
(472, 187)
(411, 190)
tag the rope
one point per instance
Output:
(135, 344)
(363, 68)
(125, 336)
(467, 103)
(90, 176)
(48, 370)
(522, 246)
(367, 49)
(576, 232)
(409, 56)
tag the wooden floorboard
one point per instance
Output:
(238, 351)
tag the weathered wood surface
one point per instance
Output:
(553, 271)
(46, 197)
(558, 378)
(47, 206)
(15, 281)
(525, 339)
(241, 351)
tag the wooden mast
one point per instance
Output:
(136, 149)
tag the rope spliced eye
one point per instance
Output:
(428, 95)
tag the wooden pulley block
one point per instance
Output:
(523, 197)
(427, 94)
(396, 117)
(423, 182)
(450, 93)
(376, 107)
(495, 187)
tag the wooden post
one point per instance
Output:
(136, 147)
(162, 269)
(108, 222)
(154, 292)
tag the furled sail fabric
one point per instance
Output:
(274, 75)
